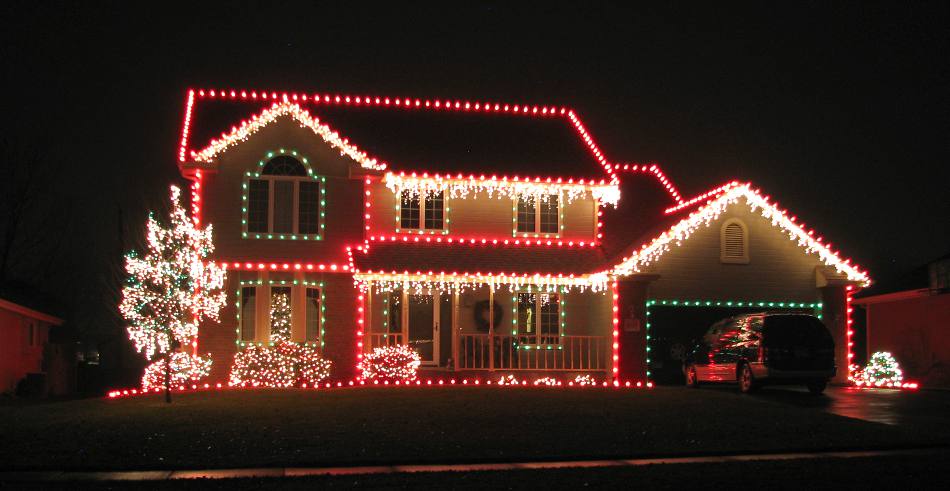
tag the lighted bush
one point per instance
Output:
(186, 369)
(391, 363)
(285, 364)
(882, 370)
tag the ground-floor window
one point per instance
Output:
(538, 318)
(287, 312)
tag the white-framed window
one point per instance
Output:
(537, 216)
(734, 242)
(284, 201)
(539, 317)
(258, 301)
(422, 213)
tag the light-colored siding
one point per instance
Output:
(478, 215)
(778, 268)
(222, 192)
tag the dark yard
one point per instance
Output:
(345, 427)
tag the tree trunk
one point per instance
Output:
(168, 378)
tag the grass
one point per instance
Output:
(364, 426)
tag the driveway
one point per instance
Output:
(908, 408)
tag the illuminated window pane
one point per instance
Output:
(283, 207)
(248, 296)
(257, 201)
(526, 214)
(313, 314)
(409, 211)
(549, 214)
(435, 211)
(309, 208)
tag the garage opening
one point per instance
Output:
(675, 326)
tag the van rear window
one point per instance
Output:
(795, 330)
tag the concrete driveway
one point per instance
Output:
(891, 407)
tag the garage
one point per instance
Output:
(674, 327)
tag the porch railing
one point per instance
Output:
(381, 339)
(508, 352)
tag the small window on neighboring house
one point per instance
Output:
(734, 242)
(283, 201)
(537, 215)
(422, 213)
(313, 315)
(538, 318)
(248, 297)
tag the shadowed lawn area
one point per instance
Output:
(265, 428)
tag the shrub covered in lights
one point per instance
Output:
(882, 371)
(185, 369)
(391, 363)
(283, 363)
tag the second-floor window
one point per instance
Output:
(284, 201)
(537, 215)
(417, 212)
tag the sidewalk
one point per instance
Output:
(48, 476)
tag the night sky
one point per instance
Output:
(838, 112)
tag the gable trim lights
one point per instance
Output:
(651, 252)
(287, 100)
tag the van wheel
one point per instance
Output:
(692, 380)
(817, 387)
(747, 383)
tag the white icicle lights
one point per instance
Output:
(502, 187)
(678, 233)
(173, 286)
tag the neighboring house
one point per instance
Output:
(438, 224)
(24, 336)
(912, 321)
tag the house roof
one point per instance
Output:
(410, 134)
(708, 207)
(415, 258)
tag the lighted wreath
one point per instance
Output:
(391, 363)
(480, 314)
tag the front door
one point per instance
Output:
(423, 335)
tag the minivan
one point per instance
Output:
(764, 348)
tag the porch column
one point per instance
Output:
(491, 326)
(455, 327)
(834, 308)
(368, 320)
(633, 326)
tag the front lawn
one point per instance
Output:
(360, 426)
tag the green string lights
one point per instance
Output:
(248, 176)
(292, 283)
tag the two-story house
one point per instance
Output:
(437, 224)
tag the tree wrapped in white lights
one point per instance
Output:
(282, 363)
(882, 370)
(280, 318)
(170, 290)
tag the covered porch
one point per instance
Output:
(539, 324)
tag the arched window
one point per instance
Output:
(284, 201)
(284, 166)
(734, 242)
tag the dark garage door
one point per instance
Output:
(674, 329)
